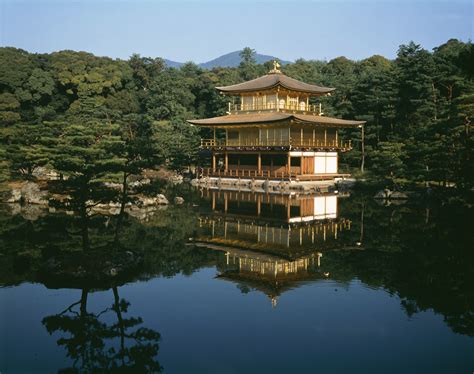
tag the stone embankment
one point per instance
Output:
(33, 200)
(257, 185)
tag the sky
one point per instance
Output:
(202, 30)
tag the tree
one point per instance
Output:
(169, 97)
(177, 142)
(27, 148)
(86, 155)
(248, 65)
(388, 162)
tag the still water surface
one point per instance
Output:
(241, 282)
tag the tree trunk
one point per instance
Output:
(435, 101)
(362, 163)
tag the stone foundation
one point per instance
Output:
(258, 185)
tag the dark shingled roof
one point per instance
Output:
(272, 80)
(239, 119)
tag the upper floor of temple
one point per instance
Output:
(274, 92)
(274, 100)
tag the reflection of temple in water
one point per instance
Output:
(285, 225)
(271, 242)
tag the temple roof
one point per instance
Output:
(273, 80)
(260, 118)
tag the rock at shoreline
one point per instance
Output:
(386, 194)
(43, 173)
(145, 201)
(15, 196)
(397, 195)
(178, 200)
(27, 193)
(383, 194)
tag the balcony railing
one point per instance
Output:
(265, 174)
(291, 107)
(291, 143)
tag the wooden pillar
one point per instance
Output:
(325, 136)
(259, 204)
(336, 137)
(213, 162)
(226, 202)
(259, 163)
(289, 163)
(301, 136)
(288, 209)
(213, 201)
(214, 135)
(226, 162)
(302, 159)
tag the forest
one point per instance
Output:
(96, 119)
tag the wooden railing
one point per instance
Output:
(295, 143)
(264, 174)
(246, 173)
(294, 107)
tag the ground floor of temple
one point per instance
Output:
(283, 165)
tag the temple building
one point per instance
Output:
(275, 130)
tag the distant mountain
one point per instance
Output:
(232, 60)
(172, 64)
(228, 60)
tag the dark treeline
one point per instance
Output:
(94, 118)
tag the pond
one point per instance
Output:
(233, 282)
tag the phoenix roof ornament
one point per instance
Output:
(276, 68)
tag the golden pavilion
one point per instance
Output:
(275, 130)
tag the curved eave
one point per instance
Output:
(240, 119)
(270, 81)
(330, 121)
(271, 118)
(320, 92)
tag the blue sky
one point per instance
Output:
(201, 30)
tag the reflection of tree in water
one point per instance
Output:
(97, 346)
(421, 253)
